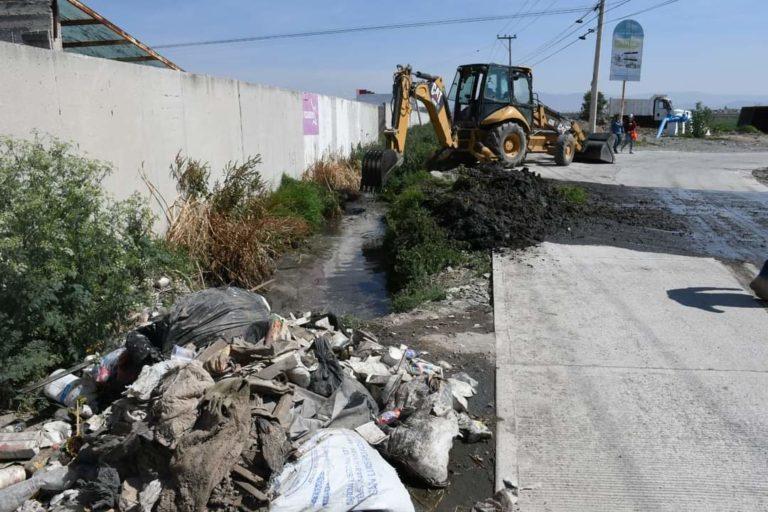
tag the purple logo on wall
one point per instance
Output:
(311, 117)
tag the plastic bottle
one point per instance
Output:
(69, 388)
(52, 479)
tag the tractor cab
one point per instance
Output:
(479, 90)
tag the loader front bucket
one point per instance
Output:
(377, 164)
(597, 148)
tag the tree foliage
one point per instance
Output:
(602, 107)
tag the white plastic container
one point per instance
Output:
(12, 475)
(69, 388)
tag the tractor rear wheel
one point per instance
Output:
(565, 149)
(509, 142)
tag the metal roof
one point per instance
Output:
(87, 32)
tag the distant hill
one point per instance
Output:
(571, 102)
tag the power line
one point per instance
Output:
(392, 26)
(584, 36)
(509, 22)
(553, 41)
(534, 20)
(572, 31)
(657, 6)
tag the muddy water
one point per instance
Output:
(341, 270)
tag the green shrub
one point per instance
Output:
(702, 120)
(304, 199)
(73, 264)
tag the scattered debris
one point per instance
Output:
(220, 403)
(505, 500)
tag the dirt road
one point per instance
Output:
(707, 204)
(631, 364)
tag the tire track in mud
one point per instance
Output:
(727, 225)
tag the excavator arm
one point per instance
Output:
(430, 91)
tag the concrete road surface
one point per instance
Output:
(633, 380)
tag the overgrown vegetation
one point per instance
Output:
(417, 247)
(724, 124)
(702, 120)
(74, 265)
(338, 173)
(420, 145)
(236, 229)
(748, 129)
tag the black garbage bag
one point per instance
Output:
(102, 492)
(140, 349)
(215, 313)
(329, 374)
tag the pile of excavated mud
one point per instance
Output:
(490, 206)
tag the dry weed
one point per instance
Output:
(337, 173)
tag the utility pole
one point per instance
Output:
(596, 69)
(509, 39)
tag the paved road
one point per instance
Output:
(633, 380)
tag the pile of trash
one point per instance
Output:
(220, 404)
(491, 206)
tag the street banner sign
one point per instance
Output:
(627, 52)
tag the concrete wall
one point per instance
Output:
(29, 22)
(139, 117)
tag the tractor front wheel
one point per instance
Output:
(509, 142)
(565, 149)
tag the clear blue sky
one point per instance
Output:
(692, 45)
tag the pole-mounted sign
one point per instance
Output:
(627, 53)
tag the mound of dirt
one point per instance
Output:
(490, 206)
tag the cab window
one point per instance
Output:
(521, 88)
(497, 85)
(466, 88)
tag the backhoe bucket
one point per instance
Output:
(377, 164)
(597, 148)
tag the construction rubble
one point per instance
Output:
(220, 404)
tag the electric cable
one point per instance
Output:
(584, 36)
(367, 28)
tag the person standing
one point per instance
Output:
(630, 129)
(617, 128)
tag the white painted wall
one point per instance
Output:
(140, 117)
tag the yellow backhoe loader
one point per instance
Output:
(491, 114)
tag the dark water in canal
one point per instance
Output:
(339, 271)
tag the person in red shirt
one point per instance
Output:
(630, 128)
